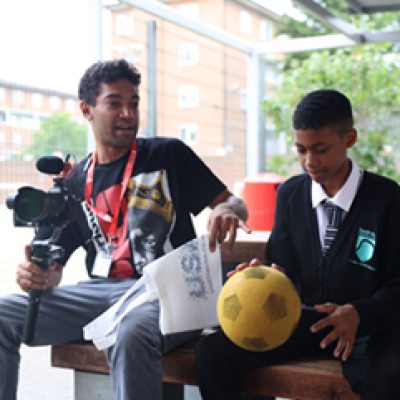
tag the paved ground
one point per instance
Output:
(38, 381)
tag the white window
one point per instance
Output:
(243, 99)
(125, 24)
(70, 105)
(37, 100)
(17, 139)
(188, 54)
(55, 103)
(245, 23)
(135, 52)
(189, 133)
(2, 94)
(3, 117)
(265, 31)
(23, 120)
(18, 96)
(189, 10)
(188, 96)
(2, 138)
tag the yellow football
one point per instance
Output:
(259, 308)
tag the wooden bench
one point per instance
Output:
(309, 379)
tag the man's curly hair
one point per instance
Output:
(321, 108)
(105, 72)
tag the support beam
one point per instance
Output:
(253, 114)
(209, 31)
(382, 8)
(304, 44)
(382, 36)
(152, 78)
(329, 19)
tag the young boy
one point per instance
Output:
(347, 272)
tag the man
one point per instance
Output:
(126, 184)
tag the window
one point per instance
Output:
(189, 96)
(17, 140)
(245, 22)
(2, 138)
(37, 100)
(18, 96)
(189, 10)
(188, 133)
(2, 94)
(188, 54)
(243, 99)
(70, 105)
(55, 103)
(265, 31)
(23, 120)
(124, 24)
(135, 52)
(3, 117)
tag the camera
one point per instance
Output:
(37, 208)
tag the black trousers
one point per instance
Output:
(373, 368)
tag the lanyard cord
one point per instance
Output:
(89, 191)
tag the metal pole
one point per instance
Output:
(95, 50)
(152, 78)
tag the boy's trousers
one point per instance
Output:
(134, 360)
(373, 369)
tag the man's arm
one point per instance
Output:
(228, 213)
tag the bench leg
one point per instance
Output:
(90, 386)
(249, 396)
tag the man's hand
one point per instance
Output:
(345, 321)
(229, 213)
(29, 275)
(253, 263)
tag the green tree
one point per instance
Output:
(367, 78)
(59, 133)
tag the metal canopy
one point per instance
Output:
(372, 6)
(358, 7)
(348, 34)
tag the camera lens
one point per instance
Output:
(31, 203)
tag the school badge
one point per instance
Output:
(365, 245)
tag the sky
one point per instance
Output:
(49, 43)
(44, 43)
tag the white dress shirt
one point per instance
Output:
(343, 198)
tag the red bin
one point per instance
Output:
(259, 194)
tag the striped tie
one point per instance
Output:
(334, 214)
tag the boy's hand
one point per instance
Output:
(345, 321)
(253, 263)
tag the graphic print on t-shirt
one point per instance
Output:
(146, 218)
(150, 217)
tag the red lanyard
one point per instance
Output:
(89, 190)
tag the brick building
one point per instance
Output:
(201, 84)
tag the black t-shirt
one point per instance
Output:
(168, 183)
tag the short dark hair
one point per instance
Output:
(324, 107)
(105, 72)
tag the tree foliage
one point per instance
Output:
(367, 78)
(59, 133)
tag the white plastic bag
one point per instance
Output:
(187, 282)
